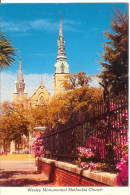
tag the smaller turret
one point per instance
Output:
(20, 93)
(20, 84)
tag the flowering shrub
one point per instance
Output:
(88, 165)
(122, 166)
(102, 140)
(38, 147)
(85, 152)
(94, 142)
(102, 143)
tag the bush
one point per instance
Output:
(38, 147)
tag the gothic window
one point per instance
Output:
(62, 68)
(42, 101)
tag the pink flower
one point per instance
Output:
(122, 166)
(38, 147)
(84, 165)
(122, 178)
(92, 166)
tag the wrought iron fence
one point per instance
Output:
(106, 125)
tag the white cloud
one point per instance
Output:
(94, 81)
(44, 24)
(7, 84)
(38, 24)
(15, 27)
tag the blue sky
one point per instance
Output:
(33, 30)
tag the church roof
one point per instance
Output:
(40, 87)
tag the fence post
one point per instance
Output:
(57, 146)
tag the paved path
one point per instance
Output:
(21, 173)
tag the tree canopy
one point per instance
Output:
(79, 97)
(114, 76)
(7, 52)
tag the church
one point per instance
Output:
(41, 96)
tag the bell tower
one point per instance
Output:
(61, 66)
(20, 94)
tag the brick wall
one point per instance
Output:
(65, 174)
(66, 178)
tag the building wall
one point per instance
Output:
(40, 97)
(58, 83)
(18, 99)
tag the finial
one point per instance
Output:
(61, 31)
(20, 55)
(61, 14)
(41, 81)
(20, 61)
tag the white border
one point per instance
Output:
(64, 1)
(24, 190)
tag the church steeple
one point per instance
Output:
(61, 44)
(20, 84)
(61, 66)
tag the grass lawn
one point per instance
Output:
(19, 157)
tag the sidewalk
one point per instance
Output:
(21, 174)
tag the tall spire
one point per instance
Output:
(20, 84)
(61, 44)
(61, 30)
(20, 73)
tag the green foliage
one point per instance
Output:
(7, 52)
(115, 58)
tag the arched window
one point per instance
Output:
(41, 100)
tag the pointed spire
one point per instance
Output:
(20, 85)
(20, 72)
(20, 64)
(61, 44)
(61, 29)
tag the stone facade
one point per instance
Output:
(59, 80)
(19, 99)
(40, 97)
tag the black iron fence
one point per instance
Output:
(105, 127)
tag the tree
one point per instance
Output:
(7, 52)
(13, 123)
(76, 81)
(78, 98)
(114, 76)
(80, 95)
(37, 116)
